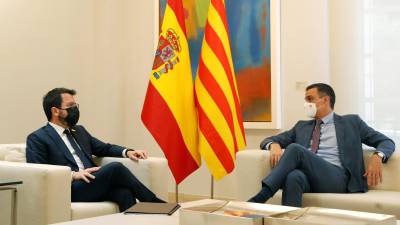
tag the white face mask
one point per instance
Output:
(310, 109)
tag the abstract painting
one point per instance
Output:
(249, 24)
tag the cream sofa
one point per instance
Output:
(253, 165)
(45, 195)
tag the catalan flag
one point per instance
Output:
(220, 119)
(169, 109)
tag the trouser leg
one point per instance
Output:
(110, 176)
(322, 176)
(122, 196)
(295, 185)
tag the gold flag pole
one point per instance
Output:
(212, 187)
(176, 193)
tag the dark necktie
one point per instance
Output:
(316, 136)
(82, 156)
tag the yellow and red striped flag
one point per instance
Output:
(169, 111)
(220, 119)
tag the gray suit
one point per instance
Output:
(312, 173)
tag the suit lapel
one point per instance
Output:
(307, 133)
(79, 138)
(59, 143)
(340, 132)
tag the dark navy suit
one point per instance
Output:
(113, 182)
(300, 170)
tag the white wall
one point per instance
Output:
(72, 43)
(346, 43)
(104, 49)
(42, 45)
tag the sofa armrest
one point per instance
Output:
(45, 195)
(251, 167)
(390, 172)
(152, 172)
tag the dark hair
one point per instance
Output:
(324, 90)
(53, 99)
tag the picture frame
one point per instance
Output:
(274, 108)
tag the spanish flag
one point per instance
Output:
(220, 119)
(169, 111)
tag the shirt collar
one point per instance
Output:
(328, 118)
(59, 129)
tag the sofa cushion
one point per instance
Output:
(375, 201)
(12, 152)
(15, 156)
(81, 210)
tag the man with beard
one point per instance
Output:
(62, 142)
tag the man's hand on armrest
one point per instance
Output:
(374, 170)
(135, 155)
(275, 153)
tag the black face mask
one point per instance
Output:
(72, 117)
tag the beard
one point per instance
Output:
(63, 121)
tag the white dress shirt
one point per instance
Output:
(60, 131)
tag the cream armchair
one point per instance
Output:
(45, 195)
(253, 165)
